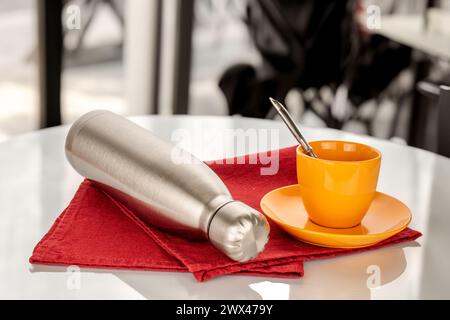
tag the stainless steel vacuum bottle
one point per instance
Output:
(145, 174)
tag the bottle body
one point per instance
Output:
(138, 169)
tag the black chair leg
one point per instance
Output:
(417, 122)
(443, 106)
(50, 61)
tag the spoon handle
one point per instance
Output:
(286, 117)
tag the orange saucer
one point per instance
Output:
(386, 217)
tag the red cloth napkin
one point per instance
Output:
(97, 231)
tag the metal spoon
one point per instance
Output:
(284, 114)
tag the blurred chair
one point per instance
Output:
(90, 10)
(440, 97)
(77, 54)
(304, 44)
(308, 45)
(51, 50)
(444, 121)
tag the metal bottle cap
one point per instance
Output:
(239, 231)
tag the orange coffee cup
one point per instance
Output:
(338, 187)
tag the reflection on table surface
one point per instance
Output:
(339, 278)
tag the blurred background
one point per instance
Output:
(378, 67)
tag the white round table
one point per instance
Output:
(36, 183)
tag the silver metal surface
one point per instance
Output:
(146, 174)
(240, 230)
(286, 117)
